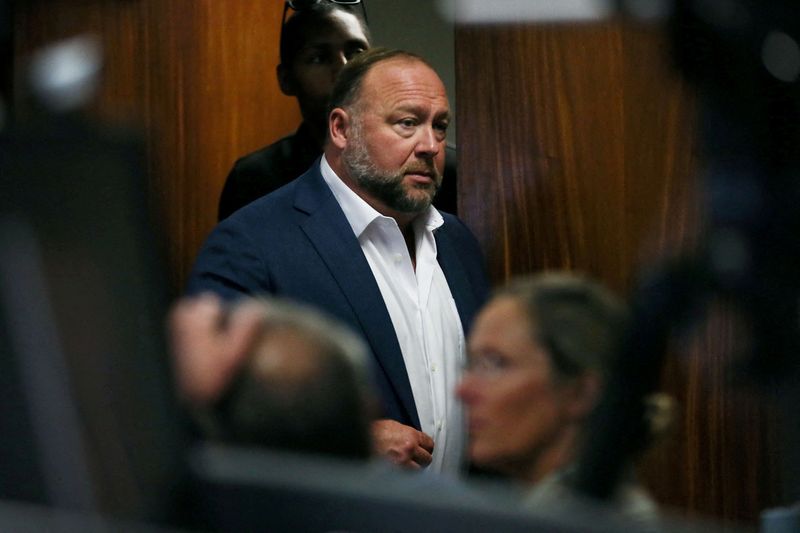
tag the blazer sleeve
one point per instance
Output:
(230, 264)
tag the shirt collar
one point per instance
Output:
(360, 214)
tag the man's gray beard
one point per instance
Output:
(386, 187)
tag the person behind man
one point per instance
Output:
(357, 236)
(539, 354)
(315, 43)
(273, 374)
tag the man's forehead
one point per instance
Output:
(400, 68)
(322, 42)
(398, 78)
(337, 26)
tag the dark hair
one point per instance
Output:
(293, 34)
(349, 79)
(579, 322)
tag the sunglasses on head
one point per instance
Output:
(300, 5)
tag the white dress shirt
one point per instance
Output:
(423, 313)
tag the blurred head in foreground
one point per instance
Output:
(538, 356)
(277, 374)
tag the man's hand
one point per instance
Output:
(401, 444)
(208, 350)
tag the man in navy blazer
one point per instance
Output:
(356, 235)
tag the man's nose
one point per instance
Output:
(429, 142)
(339, 60)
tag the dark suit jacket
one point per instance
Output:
(296, 243)
(273, 166)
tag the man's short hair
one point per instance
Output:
(321, 406)
(578, 321)
(350, 78)
(296, 28)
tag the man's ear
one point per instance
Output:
(339, 126)
(285, 80)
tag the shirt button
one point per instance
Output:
(439, 424)
(398, 258)
(433, 368)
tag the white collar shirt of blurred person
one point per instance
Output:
(423, 313)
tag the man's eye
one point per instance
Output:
(408, 122)
(314, 57)
(350, 54)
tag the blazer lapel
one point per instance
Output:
(455, 273)
(329, 231)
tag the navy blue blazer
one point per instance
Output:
(296, 243)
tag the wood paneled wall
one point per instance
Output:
(577, 150)
(573, 146)
(197, 76)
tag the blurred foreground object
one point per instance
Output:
(65, 75)
(88, 422)
(781, 520)
(549, 11)
(273, 373)
(520, 11)
(210, 345)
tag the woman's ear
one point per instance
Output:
(285, 80)
(339, 125)
(584, 394)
